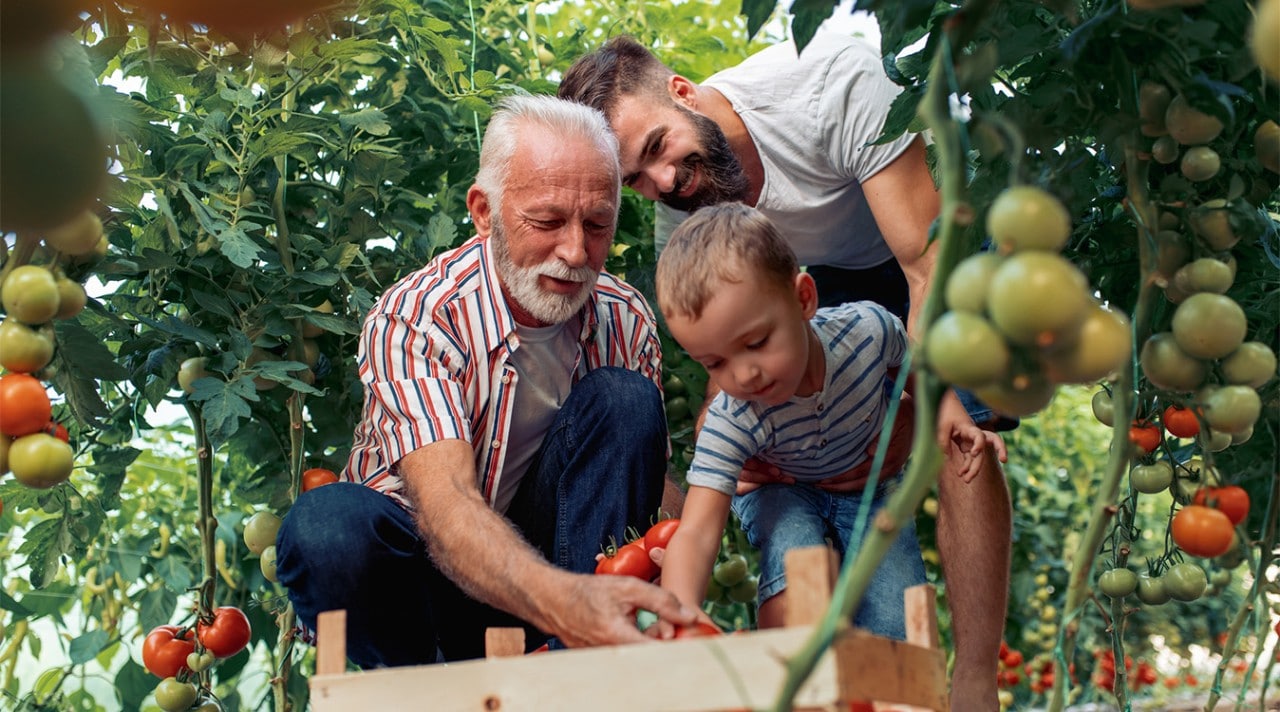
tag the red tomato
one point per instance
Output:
(698, 630)
(1145, 437)
(630, 559)
(317, 477)
(57, 430)
(24, 405)
(1012, 659)
(165, 650)
(1232, 501)
(1181, 422)
(1201, 531)
(659, 535)
(228, 634)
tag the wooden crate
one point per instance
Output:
(743, 670)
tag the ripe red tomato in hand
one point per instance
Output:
(630, 559)
(698, 629)
(659, 535)
(317, 477)
(165, 650)
(1181, 422)
(228, 634)
(1232, 501)
(1145, 437)
(1201, 531)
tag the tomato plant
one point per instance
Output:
(227, 634)
(165, 650)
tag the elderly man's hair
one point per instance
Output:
(566, 120)
(622, 67)
(725, 243)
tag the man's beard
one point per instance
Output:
(522, 283)
(722, 180)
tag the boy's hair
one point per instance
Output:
(729, 242)
(622, 67)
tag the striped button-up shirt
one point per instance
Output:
(434, 361)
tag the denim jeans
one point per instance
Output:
(345, 546)
(886, 285)
(778, 518)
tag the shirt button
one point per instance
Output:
(822, 443)
(820, 407)
(506, 378)
(496, 444)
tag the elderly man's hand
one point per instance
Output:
(601, 610)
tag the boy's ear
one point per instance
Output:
(807, 294)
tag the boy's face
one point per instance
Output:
(755, 340)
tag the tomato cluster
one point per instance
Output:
(1022, 320)
(632, 558)
(1139, 677)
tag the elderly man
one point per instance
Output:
(792, 134)
(512, 422)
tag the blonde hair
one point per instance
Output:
(730, 242)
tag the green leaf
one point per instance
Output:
(238, 247)
(133, 683)
(373, 121)
(902, 112)
(175, 571)
(475, 105)
(44, 545)
(222, 412)
(157, 607)
(9, 604)
(87, 646)
(808, 15)
(757, 12)
(92, 357)
(441, 233)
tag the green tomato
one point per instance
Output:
(1185, 582)
(260, 531)
(745, 591)
(1153, 478)
(1151, 590)
(731, 571)
(174, 696)
(1118, 583)
(268, 563)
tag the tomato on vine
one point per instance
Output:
(227, 634)
(1202, 531)
(1181, 422)
(165, 650)
(659, 535)
(24, 405)
(1231, 500)
(1146, 437)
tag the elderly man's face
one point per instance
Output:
(555, 226)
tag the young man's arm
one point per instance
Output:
(489, 560)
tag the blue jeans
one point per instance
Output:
(346, 546)
(778, 518)
(886, 285)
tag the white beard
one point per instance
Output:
(522, 283)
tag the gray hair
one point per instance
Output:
(565, 119)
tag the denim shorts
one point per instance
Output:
(780, 517)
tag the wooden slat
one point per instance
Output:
(811, 576)
(922, 616)
(874, 668)
(503, 642)
(331, 643)
(728, 672)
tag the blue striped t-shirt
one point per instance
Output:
(815, 436)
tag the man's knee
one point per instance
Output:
(619, 395)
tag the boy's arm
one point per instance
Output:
(691, 553)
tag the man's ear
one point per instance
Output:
(481, 210)
(807, 294)
(683, 91)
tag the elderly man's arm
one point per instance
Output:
(489, 560)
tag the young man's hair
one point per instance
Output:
(622, 67)
(546, 114)
(729, 242)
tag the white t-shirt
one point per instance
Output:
(811, 118)
(544, 364)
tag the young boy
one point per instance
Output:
(802, 388)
